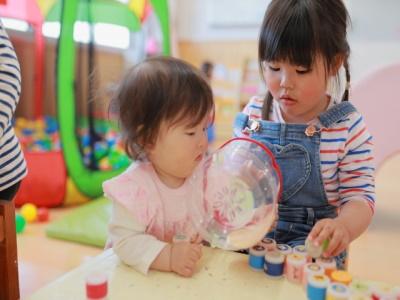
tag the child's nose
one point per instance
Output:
(203, 140)
(286, 81)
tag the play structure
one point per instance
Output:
(70, 154)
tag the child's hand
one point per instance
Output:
(196, 239)
(335, 232)
(184, 257)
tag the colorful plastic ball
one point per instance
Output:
(29, 212)
(100, 150)
(42, 214)
(19, 223)
(105, 164)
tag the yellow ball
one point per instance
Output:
(29, 212)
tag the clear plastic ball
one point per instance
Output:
(236, 203)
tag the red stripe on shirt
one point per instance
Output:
(335, 129)
(332, 151)
(356, 136)
(356, 161)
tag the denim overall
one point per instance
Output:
(303, 201)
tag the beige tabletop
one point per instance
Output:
(220, 275)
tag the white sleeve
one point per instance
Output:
(130, 242)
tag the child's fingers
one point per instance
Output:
(344, 243)
(196, 239)
(197, 250)
(190, 263)
(194, 256)
(334, 243)
(315, 231)
(324, 234)
(339, 249)
(186, 272)
(193, 260)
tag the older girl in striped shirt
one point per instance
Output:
(320, 141)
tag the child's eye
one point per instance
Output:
(273, 69)
(303, 71)
(190, 133)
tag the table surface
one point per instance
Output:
(220, 275)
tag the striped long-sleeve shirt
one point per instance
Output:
(345, 153)
(12, 162)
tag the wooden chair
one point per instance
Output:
(9, 284)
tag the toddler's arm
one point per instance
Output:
(143, 251)
(130, 242)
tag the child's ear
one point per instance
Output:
(148, 147)
(337, 63)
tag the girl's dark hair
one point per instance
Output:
(297, 31)
(156, 90)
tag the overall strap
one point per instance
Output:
(336, 113)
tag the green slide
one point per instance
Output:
(108, 11)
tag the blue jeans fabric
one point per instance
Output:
(303, 201)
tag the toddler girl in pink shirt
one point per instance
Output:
(164, 107)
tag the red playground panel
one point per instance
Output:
(45, 184)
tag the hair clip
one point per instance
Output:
(348, 85)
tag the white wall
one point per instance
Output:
(209, 20)
(374, 36)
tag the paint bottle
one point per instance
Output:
(311, 269)
(96, 286)
(273, 265)
(256, 257)
(294, 267)
(317, 286)
(337, 291)
(268, 243)
(329, 264)
(284, 249)
(301, 249)
(341, 276)
(360, 291)
(383, 292)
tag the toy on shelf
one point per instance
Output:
(251, 83)
(225, 85)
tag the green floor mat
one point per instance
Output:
(86, 224)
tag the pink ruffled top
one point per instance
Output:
(162, 210)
